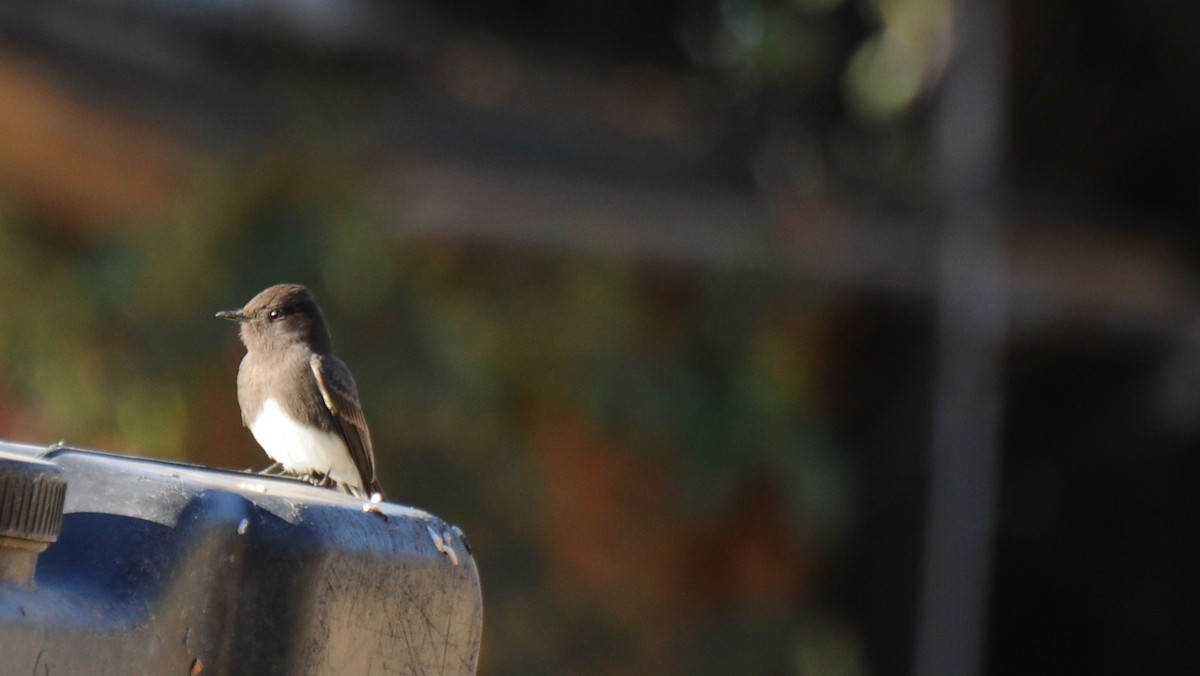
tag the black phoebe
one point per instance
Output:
(298, 399)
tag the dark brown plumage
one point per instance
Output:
(298, 399)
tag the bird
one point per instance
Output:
(297, 397)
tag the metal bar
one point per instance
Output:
(972, 321)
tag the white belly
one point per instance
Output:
(301, 449)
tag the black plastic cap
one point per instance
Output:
(32, 494)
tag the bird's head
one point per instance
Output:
(281, 315)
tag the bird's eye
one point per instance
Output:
(274, 315)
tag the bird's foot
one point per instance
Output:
(318, 479)
(273, 469)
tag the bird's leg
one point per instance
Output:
(273, 469)
(318, 479)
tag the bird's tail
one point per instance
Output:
(375, 491)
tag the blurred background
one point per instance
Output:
(740, 336)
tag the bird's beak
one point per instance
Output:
(233, 315)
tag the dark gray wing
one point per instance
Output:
(341, 397)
